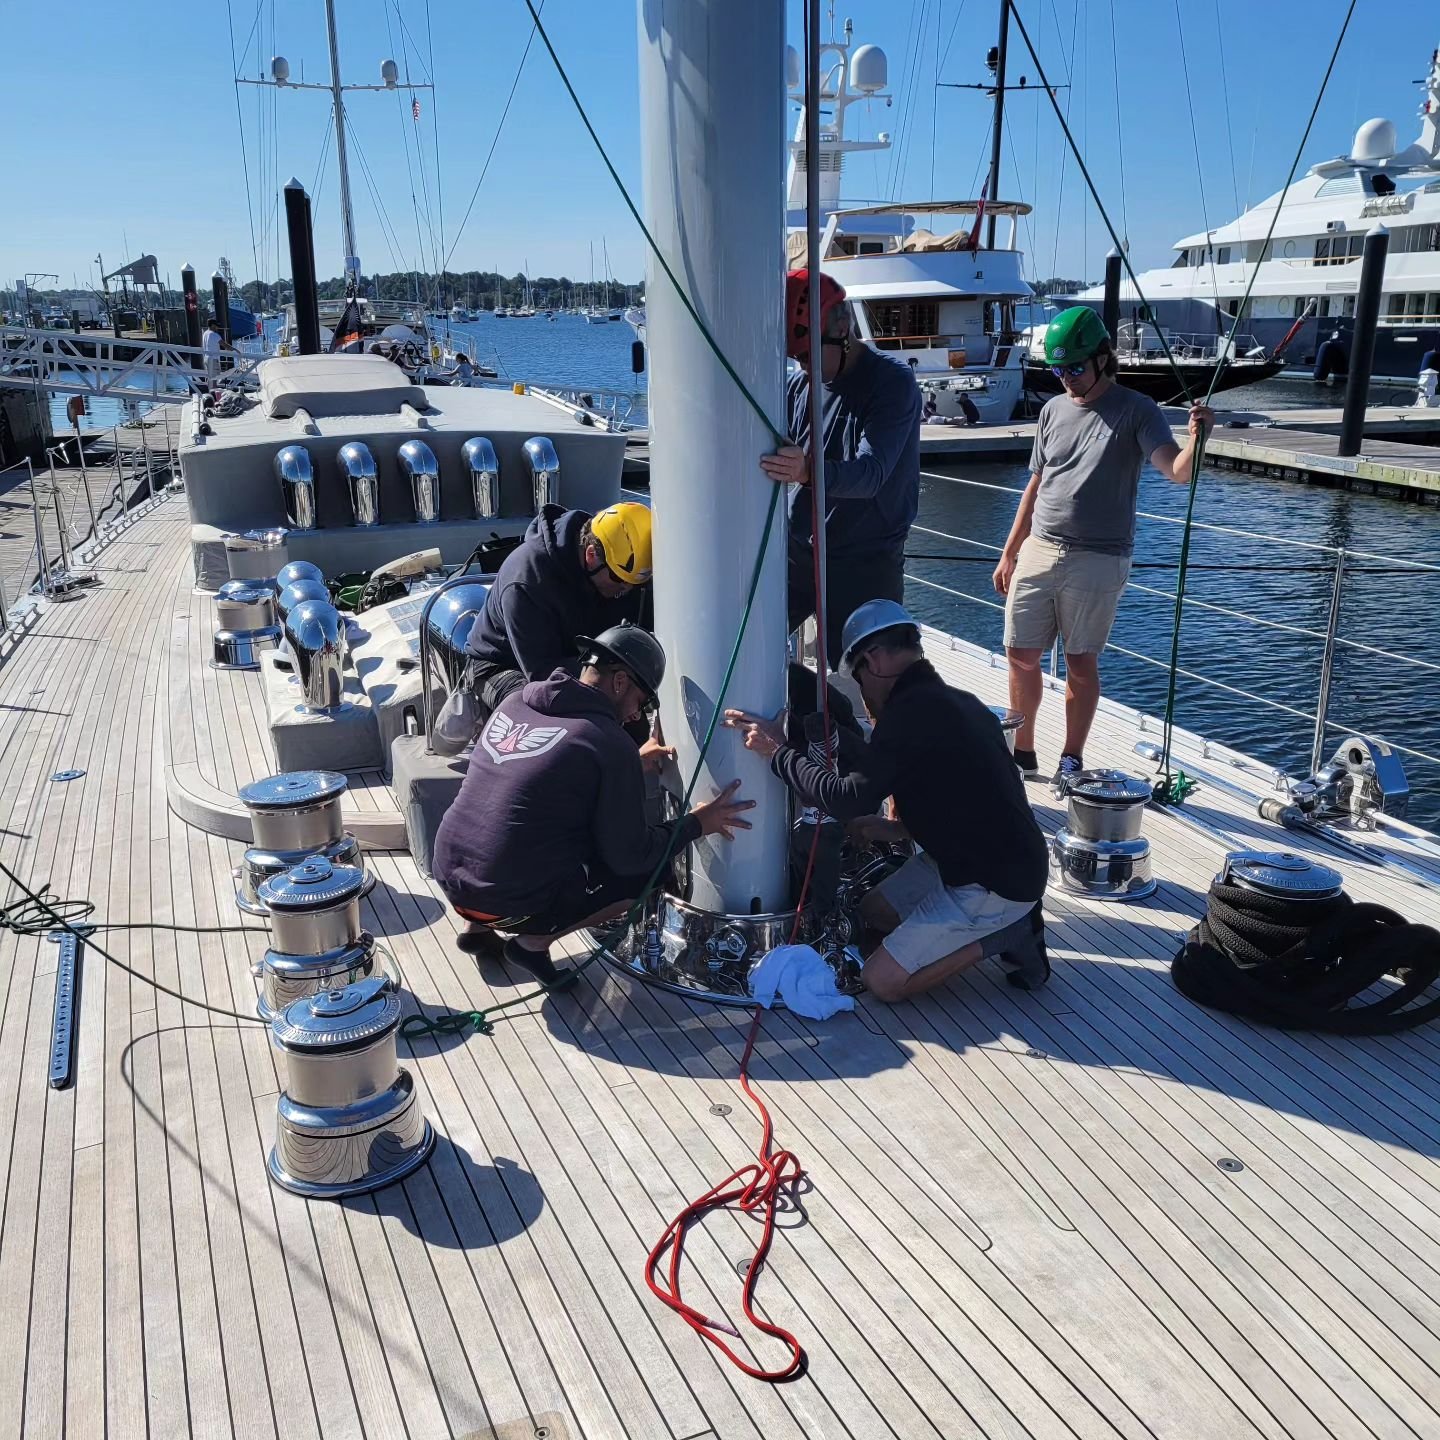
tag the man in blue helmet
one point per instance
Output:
(975, 887)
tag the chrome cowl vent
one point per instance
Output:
(544, 466)
(419, 465)
(315, 632)
(448, 624)
(297, 486)
(478, 458)
(357, 467)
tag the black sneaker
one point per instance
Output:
(1070, 767)
(1028, 762)
(539, 964)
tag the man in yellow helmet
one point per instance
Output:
(573, 574)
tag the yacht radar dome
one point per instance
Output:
(869, 70)
(389, 73)
(280, 70)
(793, 78)
(1374, 143)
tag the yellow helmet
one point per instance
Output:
(623, 533)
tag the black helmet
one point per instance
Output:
(631, 647)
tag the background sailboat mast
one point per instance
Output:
(347, 211)
(997, 138)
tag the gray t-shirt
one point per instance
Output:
(1088, 458)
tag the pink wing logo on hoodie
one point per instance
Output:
(506, 739)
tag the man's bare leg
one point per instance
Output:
(1027, 685)
(886, 979)
(1082, 699)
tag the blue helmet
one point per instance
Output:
(869, 619)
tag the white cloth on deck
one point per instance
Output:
(800, 977)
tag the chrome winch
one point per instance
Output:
(256, 554)
(316, 941)
(246, 624)
(1280, 874)
(292, 817)
(1100, 852)
(348, 1118)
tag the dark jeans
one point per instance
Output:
(584, 895)
(850, 581)
(491, 684)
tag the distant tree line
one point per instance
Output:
(1056, 286)
(474, 289)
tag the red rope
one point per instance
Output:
(754, 1187)
(751, 1188)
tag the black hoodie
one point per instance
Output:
(541, 599)
(554, 787)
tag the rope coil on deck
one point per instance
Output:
(1305, 964)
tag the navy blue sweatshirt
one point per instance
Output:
(941, 753)
(541, 599)
(554, 785)
(872, 455)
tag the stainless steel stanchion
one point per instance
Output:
(43, 560)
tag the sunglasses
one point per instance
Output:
(1073, 371)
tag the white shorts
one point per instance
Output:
(936, 919)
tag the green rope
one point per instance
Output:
(462, 1021)
(1176, 785)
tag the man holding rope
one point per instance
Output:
(1067, 557)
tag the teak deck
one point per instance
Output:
(1013, 1222)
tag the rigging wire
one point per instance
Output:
(1199, 168)
(1120, 124)
(244, 153)
(1069, 97)
(909, 80)
(435, 131)
(405, 146)
(387, 228)
(935, 101)
(495, 139)
(1225, 93)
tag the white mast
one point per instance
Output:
(715, 212)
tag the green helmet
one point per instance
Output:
(1074, 335)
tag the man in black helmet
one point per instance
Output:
(548, 833)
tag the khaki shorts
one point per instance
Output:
(1058, 590)
(936, 918)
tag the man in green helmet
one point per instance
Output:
(1067, 558)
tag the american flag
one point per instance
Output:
(415, 107)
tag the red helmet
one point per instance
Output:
(797, 309)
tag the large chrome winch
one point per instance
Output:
(1281, 875)
(678, 947)
(246, 624)
(1100, 852)
(292, 817)
(316, 940)
(348, 1119)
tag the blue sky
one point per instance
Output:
(137, 147)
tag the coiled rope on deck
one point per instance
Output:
(1307, 964)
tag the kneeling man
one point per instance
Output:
(975, 888)
(548, 833)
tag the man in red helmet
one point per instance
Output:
(872, 412)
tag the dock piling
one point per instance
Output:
(1362, 345)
